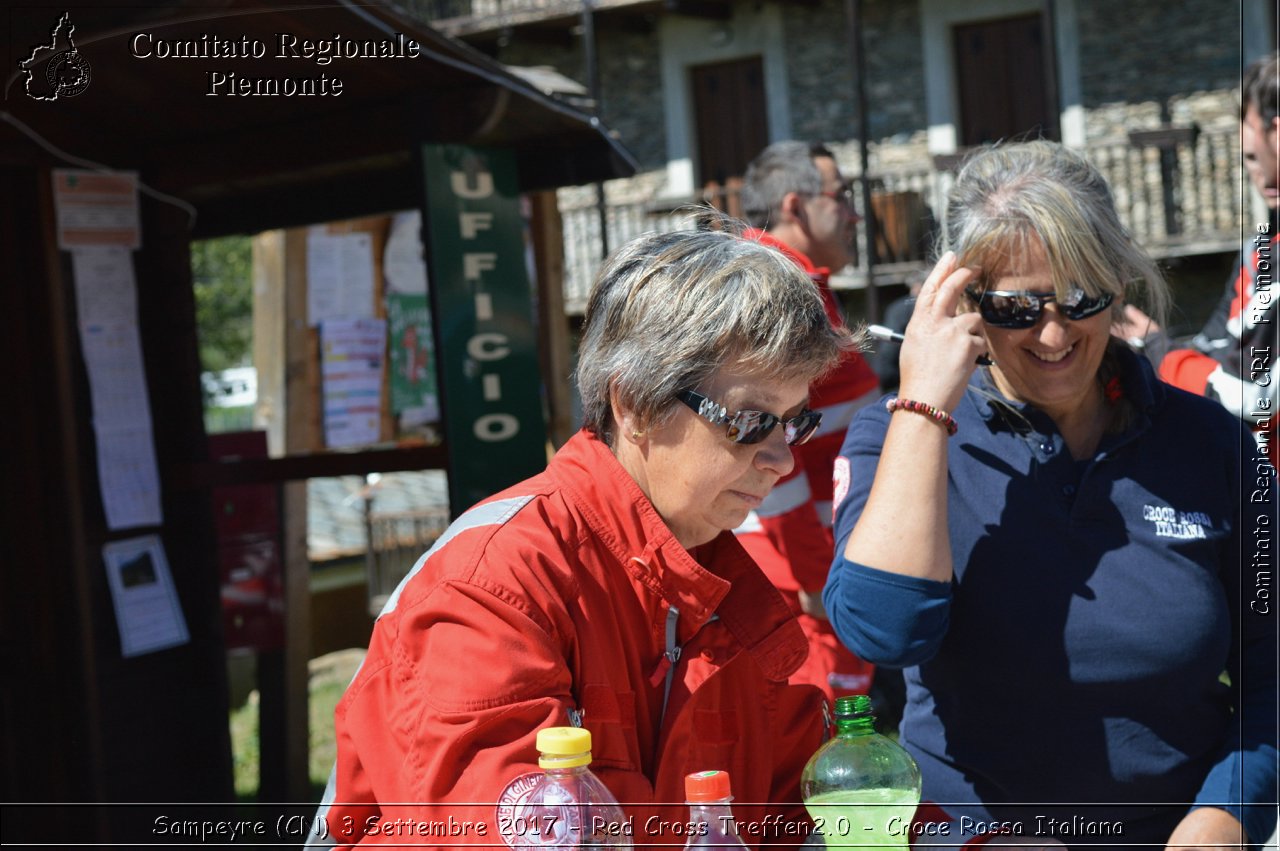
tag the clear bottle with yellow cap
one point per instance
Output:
(569, 807)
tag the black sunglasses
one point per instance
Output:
(752, 426)
(1022, 308)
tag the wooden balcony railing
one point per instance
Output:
(1177, 193)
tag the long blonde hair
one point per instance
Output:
(1008, 195)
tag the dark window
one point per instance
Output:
(1004, 73)
(731, 120)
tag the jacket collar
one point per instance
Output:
(817, 273)
(1137, 377)
(627, 524)
(820, 275)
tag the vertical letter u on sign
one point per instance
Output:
(471, 186)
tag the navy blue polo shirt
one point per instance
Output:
(1076, 656)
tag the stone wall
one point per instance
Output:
(630, 82)
(1152, 50)
(819, 77)
(823, 102)
(1142, 62)
(631, 78)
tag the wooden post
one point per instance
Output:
(733, 197)
(553, 323)
(282, 675)
(287, 354)
(268, 337)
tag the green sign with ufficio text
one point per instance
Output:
(490, 386)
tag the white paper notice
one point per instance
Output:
(96, 208)
(351, 359)
(106, 301)
(339, 275)
(403, 265)
(148, 612)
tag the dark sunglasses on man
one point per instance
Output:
(1022, 308)
(752, 426)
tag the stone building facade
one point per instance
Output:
(1110, 69)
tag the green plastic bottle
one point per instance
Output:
(861, 788)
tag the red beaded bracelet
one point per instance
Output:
(938, 415)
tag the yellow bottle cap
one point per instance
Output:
(564, 747)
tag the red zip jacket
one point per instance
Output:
(1233, 358)
(789, 535)
(566, 600)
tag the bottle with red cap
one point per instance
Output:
(711, 823)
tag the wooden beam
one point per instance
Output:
(711, 9)
(268, 337)
(303, 433)
(298, 204)
(283, 719)
(291, 468)
(553, 324)
(82, 561)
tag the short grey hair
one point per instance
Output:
(668, 311)
(1008, 195)
(780, 168)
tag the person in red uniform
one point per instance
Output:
(609, 591)
(1233, 358)
(807, 212)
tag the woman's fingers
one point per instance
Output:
(972, 324)
(941, 292)
(941, 345)
(929, 290)
(951, 290)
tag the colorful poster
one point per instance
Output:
(351, 358)
(413, 371)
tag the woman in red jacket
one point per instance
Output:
(609, 591)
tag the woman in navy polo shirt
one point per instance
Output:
(1062, 551)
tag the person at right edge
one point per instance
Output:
(1234, 359)
(806, 208)
(1056, 547)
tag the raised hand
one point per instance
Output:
(940, 347)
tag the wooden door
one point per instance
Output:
(731, 121)
(1004, 75)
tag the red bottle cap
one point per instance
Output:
(704, 786)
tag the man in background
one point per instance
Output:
(794, 191)
(1234, 354)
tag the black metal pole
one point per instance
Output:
(858, 54)
(593, 84)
